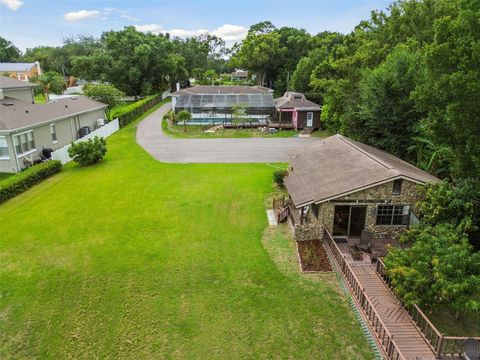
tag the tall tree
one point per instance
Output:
(8, 51)
(50, 82)
(260, 53)
(451, 93)
(387, 117)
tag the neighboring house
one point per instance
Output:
(216, 102)
(27, 128)
(296, 112)
(346, 186)
(239, 75)
(21, 71)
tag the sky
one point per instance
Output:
(30, 23)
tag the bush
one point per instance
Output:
(278, 177)
(88, 152)
(24, 180)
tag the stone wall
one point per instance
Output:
(307, 232)
(370, 198)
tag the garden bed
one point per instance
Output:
(312, 256)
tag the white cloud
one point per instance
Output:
(154, 28)
(129, 17)
(13, 4)
(81, 15)
(228, 32)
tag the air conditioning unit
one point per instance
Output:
(83, 131)
(100, 123)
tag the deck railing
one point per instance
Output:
(384, 337)
(443, 346)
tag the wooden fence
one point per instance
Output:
(385, 338)
(443, 346)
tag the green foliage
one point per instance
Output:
(134, 62)
(60, 58)
(130, 112)
(451, 93)
(387, 117)
(88, 152)
(438, 268)
(50, 82)
(24, 180)
(457, 204)
(259, 53)
(183, 116)
(279, 176)
(8, 51)
(105, 93)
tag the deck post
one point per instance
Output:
(438, 349)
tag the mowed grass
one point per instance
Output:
(135, 259)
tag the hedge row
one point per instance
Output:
(24, 180)
(130, 116)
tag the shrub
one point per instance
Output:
(278, 177)
(88, 152)
(24, 180)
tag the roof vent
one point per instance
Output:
(66, 106)
(8, 104)
(26, 111)
(73, 98)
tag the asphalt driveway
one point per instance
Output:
(250, 150)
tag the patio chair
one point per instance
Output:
(471, 349)
(365, 243)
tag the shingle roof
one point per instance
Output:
(288, 102)
(11, 83)
(337, 166)
(223, 90)
(16, 66)
(18, 114)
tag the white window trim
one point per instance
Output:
(8, 156)
(54, 141)
(31, 151)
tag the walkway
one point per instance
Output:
(394, 329)
(398, 322)
(251, 150)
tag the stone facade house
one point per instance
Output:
(27, 128)
(345, 187)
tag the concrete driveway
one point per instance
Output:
(250, 150)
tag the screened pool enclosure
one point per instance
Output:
(208, 108)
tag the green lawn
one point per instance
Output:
(135, 259)
(197, 131)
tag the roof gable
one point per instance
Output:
(11, 83)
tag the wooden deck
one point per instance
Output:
(395, 331)
(410, 341)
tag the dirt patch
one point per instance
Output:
(313, 256)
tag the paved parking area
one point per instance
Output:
(251, 150)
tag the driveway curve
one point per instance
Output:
(151, 137)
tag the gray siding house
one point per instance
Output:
(27, 128)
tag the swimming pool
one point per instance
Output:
(218, 121)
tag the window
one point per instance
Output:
(24, 142)
(314, 210)
(397, 187)
(393, 214)
(53, 131)
(4, 155)
(309, 116)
